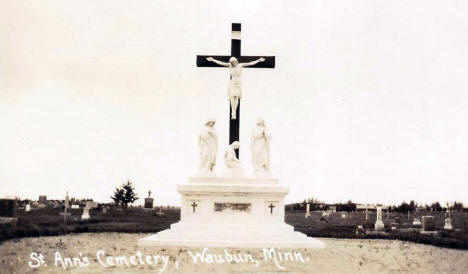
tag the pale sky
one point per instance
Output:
(368, 100)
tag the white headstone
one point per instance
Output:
(85, 215)
(75, 207)
(417, 222)
(379, 225)
(448, 224)
(86, 209)
(307, 214)
(28, 208)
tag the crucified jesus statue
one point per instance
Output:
(235, 91)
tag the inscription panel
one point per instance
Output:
(232, 207)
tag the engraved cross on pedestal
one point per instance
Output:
(194, 205)
(235, 52)
(271, 206)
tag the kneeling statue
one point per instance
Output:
(233, 165)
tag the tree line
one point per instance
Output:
(404, 207)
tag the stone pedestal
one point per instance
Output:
(379, 225)
(232, 212)
(149, 202)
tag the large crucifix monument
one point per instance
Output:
(233, 210)
(235, 62)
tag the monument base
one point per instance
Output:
(379, 225)
(231, 235)
(232, 212)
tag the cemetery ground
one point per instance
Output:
(339, 256)
(49, 222)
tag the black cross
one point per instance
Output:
(271, 206)
(235, 52)
(194, 205)
(149, 193)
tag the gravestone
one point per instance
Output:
(8, 209)
(42, 199)
(75, 206)
(428, 223)
(379, 225)
(448, 224)
(85, 215)
(65, 214)
(160, 212)
(417, 222)
(27, 208)
(307, 214)
(397, 220)
(86, 209)
(149, 201)
(67, 201)
(104, 210)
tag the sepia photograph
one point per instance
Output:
(219, 136)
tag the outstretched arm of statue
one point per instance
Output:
(253, 62)
(211, 59)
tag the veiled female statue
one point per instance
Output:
(208, 144)
(260, 143)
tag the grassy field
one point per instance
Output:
(48, 222)
(336, 226)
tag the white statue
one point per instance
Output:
(208, 144)
(260, 142)
(235, 91)
(233, 165)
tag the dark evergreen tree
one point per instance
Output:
(125, 195)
